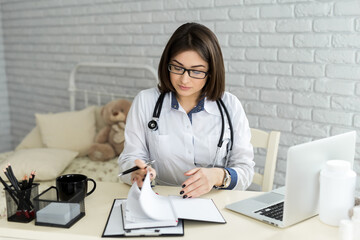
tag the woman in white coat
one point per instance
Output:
(181, 123)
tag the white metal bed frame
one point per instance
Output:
(73, 90)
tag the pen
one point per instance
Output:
(135, 168)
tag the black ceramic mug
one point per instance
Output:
(71, 184)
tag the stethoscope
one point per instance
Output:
(153, 125)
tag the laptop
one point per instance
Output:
(298, 200)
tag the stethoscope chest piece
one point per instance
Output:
(153, 125)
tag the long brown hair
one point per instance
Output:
(196, 37)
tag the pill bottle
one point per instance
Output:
(356, 222)
(337, 191)
(346, 230)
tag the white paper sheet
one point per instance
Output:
(155, 206)
(114, 226)
(199, 209)
(144, 208)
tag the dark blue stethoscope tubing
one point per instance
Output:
(222, 125)
(156, 113)
(158, 106)
(230, 124)
(220, 103)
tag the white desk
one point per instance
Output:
(98, 206)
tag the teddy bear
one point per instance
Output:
(109, 141)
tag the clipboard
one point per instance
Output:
(115, 228)
(144, 208)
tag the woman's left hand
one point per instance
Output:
(201, 181)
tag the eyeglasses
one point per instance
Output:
(192, 73)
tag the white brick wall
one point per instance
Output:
(5, 128)
(294, 64)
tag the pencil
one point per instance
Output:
(10, 175)
(19, 192)
(10, 191)
(10, 179)
(10, 170)
(31, 178)
(24, 183)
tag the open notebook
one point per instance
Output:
(145, 209)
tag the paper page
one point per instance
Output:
(155, 206)
(114, 226)
(133, 207)
(199, 209)
(131, 222)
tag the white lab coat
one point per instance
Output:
(178, 143)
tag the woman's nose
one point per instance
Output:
(185, 77)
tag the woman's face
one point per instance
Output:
(187, 87)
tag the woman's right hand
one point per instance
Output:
(138, 176)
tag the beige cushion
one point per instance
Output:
(47, 162)
(68, 130)
(32, 140)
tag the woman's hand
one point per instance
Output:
(138, 176)
(201, 181)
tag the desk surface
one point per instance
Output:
(98, 205)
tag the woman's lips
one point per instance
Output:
(184, 88)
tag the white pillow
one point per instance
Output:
(31, 140)
(48, 163)
(68, 130)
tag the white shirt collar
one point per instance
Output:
(211, 107)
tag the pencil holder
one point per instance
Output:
(51, 211)
(19, 203)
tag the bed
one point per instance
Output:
(45, 148)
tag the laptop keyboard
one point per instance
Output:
(274, 211)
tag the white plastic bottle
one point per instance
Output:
(337, 191)
(356, 222)
(346, 230)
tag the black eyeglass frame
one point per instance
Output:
(187, 70)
